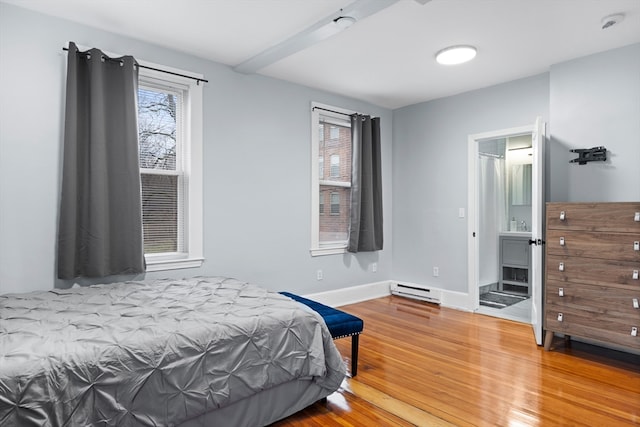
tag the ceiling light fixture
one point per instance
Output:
(456, 55)
(327, 27)
(344, 22)
(611, 20)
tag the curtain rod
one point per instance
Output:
(337, 112)
(197, 79)
(333, 111)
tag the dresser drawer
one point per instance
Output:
(620, 274)
(611, 330)
(615, 246)
(607, 217)
(597, 302)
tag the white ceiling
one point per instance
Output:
(386, 58)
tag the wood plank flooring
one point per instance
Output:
(422, 365)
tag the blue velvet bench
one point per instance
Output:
(340, 324)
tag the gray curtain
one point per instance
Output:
(365, 231)
(100, 226)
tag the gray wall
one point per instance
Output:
(430, 174)
(595, 101)
(256, 164)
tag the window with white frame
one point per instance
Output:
(170, 153)
(335, 203)
(334, 132)
(330, 138)
(335, 166)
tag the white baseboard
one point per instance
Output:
(354, 294)
(458, 300)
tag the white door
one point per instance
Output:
(537, 227)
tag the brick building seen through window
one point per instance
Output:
(335, 181)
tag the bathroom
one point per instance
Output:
(504, 190)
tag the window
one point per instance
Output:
(335, 203)
(170, 147)
(329, 233)
(335, 166)
(320, 167)
(334, 132)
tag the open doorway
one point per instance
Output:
(505, 211)
(504, 219)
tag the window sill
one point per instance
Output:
(328, 251)
(172, 264)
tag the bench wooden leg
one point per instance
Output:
(354, 354)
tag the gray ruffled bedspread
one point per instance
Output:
(153, 353)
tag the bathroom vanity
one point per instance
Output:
(515, 262)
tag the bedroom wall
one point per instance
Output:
(256, 164)
(430, 174)
(595, 100)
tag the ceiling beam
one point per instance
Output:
(319, 31)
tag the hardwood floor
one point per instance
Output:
(423, 365)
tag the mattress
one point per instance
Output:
(164, 352)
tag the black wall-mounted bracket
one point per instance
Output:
(595, 154)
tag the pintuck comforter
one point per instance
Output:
(153, 353)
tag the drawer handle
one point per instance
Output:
(636, 304)
(634, 331)
(637, 217)
(561, 266)
(634, 276)
(561, 292)
(562, 241)
(562, 216)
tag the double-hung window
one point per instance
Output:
(330, 139)
(170, 155)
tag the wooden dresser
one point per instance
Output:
(592, 288)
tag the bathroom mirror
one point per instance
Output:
(520, 184)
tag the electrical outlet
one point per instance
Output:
(320, 276)
(436, 271)
(374, 267)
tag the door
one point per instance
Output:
(537, 132)
(537, 227)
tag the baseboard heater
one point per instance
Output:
(416, 292)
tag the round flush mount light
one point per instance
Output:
(344, 22)
(456, 55)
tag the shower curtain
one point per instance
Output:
(493, 216)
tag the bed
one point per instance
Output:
(195, 352)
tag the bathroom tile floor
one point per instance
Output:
(519, 312)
